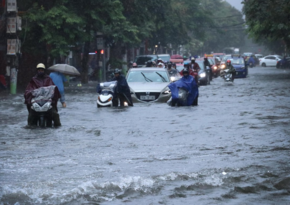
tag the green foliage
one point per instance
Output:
(268, 21)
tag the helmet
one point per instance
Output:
(228, 61)
(149, 63)
(117, 70)
(185, 71)
(160, 64)
(192, 58)
(40, 65)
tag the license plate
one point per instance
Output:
(147, 97)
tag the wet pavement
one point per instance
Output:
(234, 148)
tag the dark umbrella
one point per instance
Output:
(176, 57)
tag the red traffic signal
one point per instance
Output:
(102, 51)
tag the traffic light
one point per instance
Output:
(96, 52)
(102, 51)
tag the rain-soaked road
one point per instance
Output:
(234, 148)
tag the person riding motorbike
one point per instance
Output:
(171, 70)
(251, 61)
(149, 64)
(194, 65)
(41, 80)
(207, 63)
(160, 65)
(231, 69)
(122, 90)
(188, 84)
(134, 65)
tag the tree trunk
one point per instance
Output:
(116, 56)
(85, 69)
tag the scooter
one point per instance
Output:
(41, 106)
(227, 75)
(106, 94)
(182, 98)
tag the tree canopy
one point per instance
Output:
(268, 21)
(53, 27)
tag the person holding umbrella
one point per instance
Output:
(59, 70)
(58, 79)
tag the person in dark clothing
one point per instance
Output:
(206, 63)
(231, 69)
(122, 90)
(172, 71)
(41, 80)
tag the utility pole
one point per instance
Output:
(13, 43)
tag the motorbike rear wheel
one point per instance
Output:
(41, 121)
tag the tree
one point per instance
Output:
(268, 20)
(53, 26)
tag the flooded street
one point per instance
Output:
(234, 148)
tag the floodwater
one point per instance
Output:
(234, 148)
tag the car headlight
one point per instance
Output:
(202, 75)
(173, 78)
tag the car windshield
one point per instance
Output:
(148, 76)
(225, 58)
(141, 60)
(164, 58)
(237, 61)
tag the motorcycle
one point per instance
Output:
(227, 75)
(184, 92)
(41, 107)
(182, 98)
(251, 65)
(106, 94)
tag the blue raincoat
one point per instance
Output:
(188, 84)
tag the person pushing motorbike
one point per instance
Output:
(41, 80)
(122, 90)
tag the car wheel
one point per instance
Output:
(264, 65)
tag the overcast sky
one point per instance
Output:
(236, 3)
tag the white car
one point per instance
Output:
(149, 84)
(270, 60)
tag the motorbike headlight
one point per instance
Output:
(166, 91)
(172, 78)
(215, 67)
(223, 66)
(202, 75)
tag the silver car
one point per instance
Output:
(149, 84)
